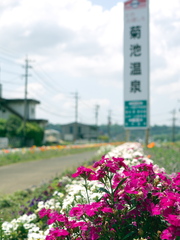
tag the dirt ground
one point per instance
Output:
(21, 176)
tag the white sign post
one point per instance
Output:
(136, 64)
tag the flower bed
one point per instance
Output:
(121, 196)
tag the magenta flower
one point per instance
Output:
(120, 162)
(173, 220)
(170, 233)
(107, 210)
(76, 211)
(56, 217)
(133, 193)
(166, 234)
(56, 232)
(44, 212)
(84, 172)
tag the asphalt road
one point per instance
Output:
(21, 176)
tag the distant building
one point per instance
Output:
(77, 131)
(17, 108)
(52, 136)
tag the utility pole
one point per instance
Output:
(96, 114)
(109, 124)
(76, 106)
(173, 125)
(127, 135)
(76, 116)
(96, 118)
(26, 75)
(147, 136)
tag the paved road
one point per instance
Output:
(21, 176)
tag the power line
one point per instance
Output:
(9, 52)
(56, 114)
(47, 77)
(10, 72)
(50, 87)
(9, 60)
(12, 90)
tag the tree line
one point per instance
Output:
(117, 132)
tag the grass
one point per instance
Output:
(167, 156)
(14, 205)
(11, 158)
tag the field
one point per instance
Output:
(26, 202)
(166, 155)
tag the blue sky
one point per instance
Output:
(77, 46)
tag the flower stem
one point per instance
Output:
(86, 187)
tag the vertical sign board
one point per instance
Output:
(136, 64)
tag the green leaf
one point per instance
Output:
(104, 190)
(128, 235)
(120, 183)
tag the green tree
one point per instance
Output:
(2, 127)
(12, 125)
(32, 132)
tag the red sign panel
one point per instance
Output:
(135, 4)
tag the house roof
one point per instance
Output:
(5, 102)
(78, 124)
(72, 123)
(52, 131)
(18, 100)
(43, 121)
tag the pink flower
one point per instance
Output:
(107, 210)
(156, 210)
(173, 219)
(56, 217)
(76, 211)
(170, 233)
(94, 233)
(84, 172)
(44, 212)
(56, 232)
(120, 162)
(166, 234)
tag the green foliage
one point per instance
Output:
(104, 138)
(167, 157)
(32, 131)
(12, 125)
(30, 155)
(2, 127)
(117, 132)
(26, 201)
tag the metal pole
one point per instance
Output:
(96, 118)
(76, 117)
(25, 99)
(127, 137)
(147, 137)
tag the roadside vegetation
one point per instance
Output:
(167, 155)
(32, 155)
(25, 202)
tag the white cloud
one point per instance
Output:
(80, 44)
